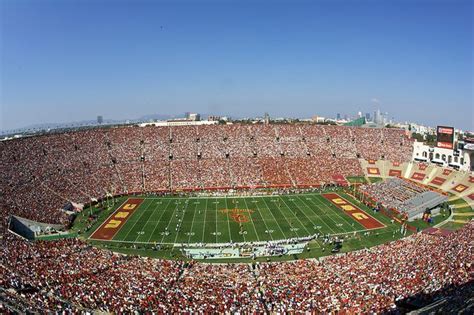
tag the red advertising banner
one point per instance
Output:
(395, 173)
(438, 181)
(447, 171)
(418, 176)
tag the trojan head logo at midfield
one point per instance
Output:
(238, 215)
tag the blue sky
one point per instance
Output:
(73, 60)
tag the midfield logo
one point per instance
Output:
(238, 215)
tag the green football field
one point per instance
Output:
(168, 220)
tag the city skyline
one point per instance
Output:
(72, 61)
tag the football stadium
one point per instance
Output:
(236, 157)
(236, 217)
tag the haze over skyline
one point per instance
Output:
(64, 61)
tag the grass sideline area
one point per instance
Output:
(462, 213)
(356, 179)
(258, 218)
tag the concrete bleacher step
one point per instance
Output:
(430, 176)
(408, 170)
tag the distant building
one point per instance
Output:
(367, 116)
(338, 116)
(217, 118)
(356, 122)
(318, 119)
(194, 117)
(100, 120)
(378, 117)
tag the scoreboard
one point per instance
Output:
(445, 137)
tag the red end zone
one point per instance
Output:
(112, 225)
(353, 211)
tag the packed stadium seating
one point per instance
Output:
(69, 275)
(42, 173)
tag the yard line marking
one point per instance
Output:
(251, 220)
(158, 222)
(319, 216)
(133, 226)
(192, 223)
(169, 222)
(228, 222)
(284, 235)
(216, 220)
(309, 233)
(336, 212)
(182, 219)
(265, 222)
(204, 224)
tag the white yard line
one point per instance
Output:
(182, 219)
(251, 220)
(133, 226)
(204, 225)
(216, 223)
(169, 222)
(192, 224)
(289, 209)
(284, 235)
(228, 221)
(158, 222)
(342, 216)
(317, 206)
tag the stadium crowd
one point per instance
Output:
(69, 275)
(40, 174)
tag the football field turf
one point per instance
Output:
(168, 220)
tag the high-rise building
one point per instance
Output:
(100, 119)
(377, 117)
(338, 116)
(367, 116)
(193, 116)
(266, 118)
